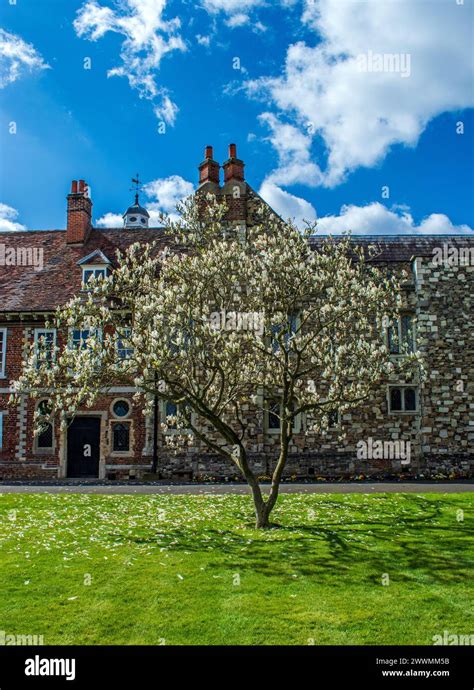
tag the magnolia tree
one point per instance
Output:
(228, 323)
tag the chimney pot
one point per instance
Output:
(209, 168)
(233, 166)
(79, 213)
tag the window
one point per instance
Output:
(120, 430)
(45, 439)
(242, 233)
(45, 342)
(169, 413)
(400, 335)
(180, 338)
(124, 351)
(96, 272)
(120, 437)
(94, 266)
(290, 327)
(333, 419)
(273, 418)
(79, 337)
(402, 399)
(3, 351)
(121, 408)
(171, 410)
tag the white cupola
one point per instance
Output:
(136, 216)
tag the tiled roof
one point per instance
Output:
(395, 248)
(22, 289)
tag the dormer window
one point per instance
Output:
(93, 272)
(95, 266)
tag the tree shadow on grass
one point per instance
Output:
(422, 545)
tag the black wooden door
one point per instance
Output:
(83, 447)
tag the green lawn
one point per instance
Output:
(192, 570)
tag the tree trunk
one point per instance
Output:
(263, 507)
(261, 514)
(260, 505)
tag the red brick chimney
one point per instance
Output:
(209, 169)
(233, 167)
(235, 187)
(79, 213)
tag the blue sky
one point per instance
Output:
(357, 112)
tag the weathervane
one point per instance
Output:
(137, 185)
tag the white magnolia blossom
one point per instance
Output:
(321, 350)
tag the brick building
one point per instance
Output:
(40, 270)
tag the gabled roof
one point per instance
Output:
(95, 257)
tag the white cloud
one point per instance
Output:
(17, 57)
(167, 110)
(8, 222)
(239, 19)
(377, 219)
(164, 193)
(231, 7)
(240, 6)
(148, 37)
(258, 27)
(238, 12)
(360, 115)
(110, 220)
(287, 205)
(372, 219)
(203, 40)
(292, 146)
